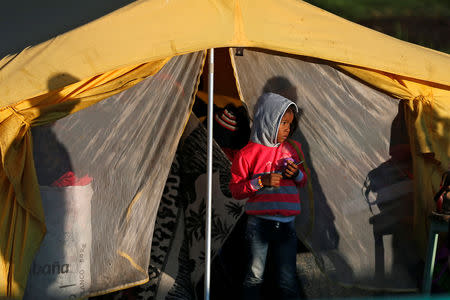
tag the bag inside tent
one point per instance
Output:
(121, 173)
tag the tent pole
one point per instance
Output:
(209, 163)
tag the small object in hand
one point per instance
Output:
(289, 166)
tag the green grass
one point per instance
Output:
(423, 22)
(368, 9)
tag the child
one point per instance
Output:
(267, 171)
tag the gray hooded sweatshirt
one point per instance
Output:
(269, 111)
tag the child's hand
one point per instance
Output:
(272, 179)
(291, 170)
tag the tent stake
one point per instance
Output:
(209, 184)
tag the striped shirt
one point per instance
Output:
(255, 160)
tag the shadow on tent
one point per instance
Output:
(52, 268)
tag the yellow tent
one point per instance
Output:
(115, 52)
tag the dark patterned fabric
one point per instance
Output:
(177, 254)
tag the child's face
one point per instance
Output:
(285, 126)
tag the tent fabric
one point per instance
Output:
(424, 97)
(363, 206)
(146, 31)
(177, 254)
(176, 80)
(122, 48)
(22, 223)
(358, 153)
(127, 147)
(428, 121)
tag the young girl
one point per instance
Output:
(268, 171)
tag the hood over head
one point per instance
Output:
(269, 111)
